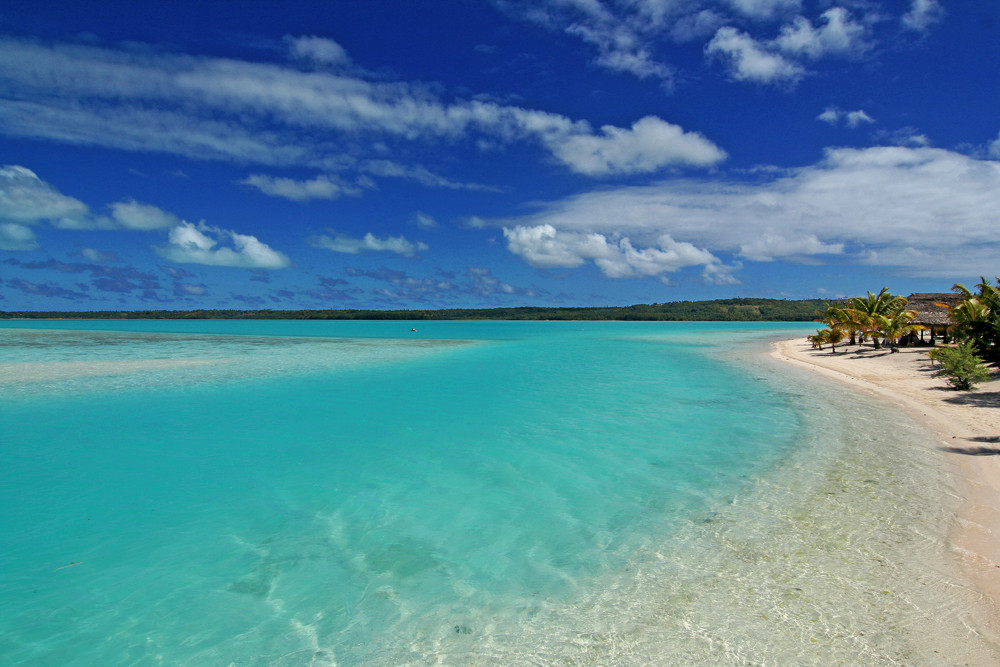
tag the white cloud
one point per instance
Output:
(26, 199)
(98, 256)
(749, 60)
(837, 35)
(417, 174)
(369, 243)
(628, 35)
(852, 119)
(317, 49)
(201, 244)
(922, 15)
(925, 211)
(225, 109)
(321, 187)
(544, 246)
(764, 9)
(620, 49)
(767, 246)
(994, 148)
(648, 146)
(14, 236)
(830, 115)
(130, 214)
(856, 118)
(701, 25)
(425, 221)
(619, 40)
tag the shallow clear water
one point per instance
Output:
(293, 493)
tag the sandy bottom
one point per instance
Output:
(968, 424)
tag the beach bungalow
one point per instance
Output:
(933, 317)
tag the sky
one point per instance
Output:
(394, 154)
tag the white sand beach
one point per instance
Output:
(968, 424)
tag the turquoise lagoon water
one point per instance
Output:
(355, 493)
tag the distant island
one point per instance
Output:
(720, 310)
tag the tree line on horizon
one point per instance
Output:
(719, 310)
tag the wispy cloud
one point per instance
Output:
(922, 15)
(318, 50)
(368, 243)
(262, 113)
(765, 9)
(321, 187)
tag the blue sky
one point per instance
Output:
(400, 154)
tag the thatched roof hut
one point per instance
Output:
(928, 312)
(930, 315)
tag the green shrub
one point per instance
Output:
(961, 368)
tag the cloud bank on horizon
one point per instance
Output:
(571, 152)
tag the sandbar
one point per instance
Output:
(968, 427)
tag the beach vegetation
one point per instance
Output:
(872, 313)
(833, 336)
(819, 338)
(898, 325)
(836, 317)
(976, 317)
(961, 367)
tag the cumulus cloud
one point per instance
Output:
(17, 237)
(922, 15)
(26, 199)
(852, 119)
(751, 61)
(202, 244)
(627, 36)
(369, 243)
(321, 187)
(544, 246)
(925, 211)
(648, 146)
(838, 34)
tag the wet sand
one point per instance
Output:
(968, 425)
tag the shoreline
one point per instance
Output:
(968, 428)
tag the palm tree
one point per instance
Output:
(867, 313)
(837, 317)
(817, 339)
(977, 316)
(834, 335)
(897, 325)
